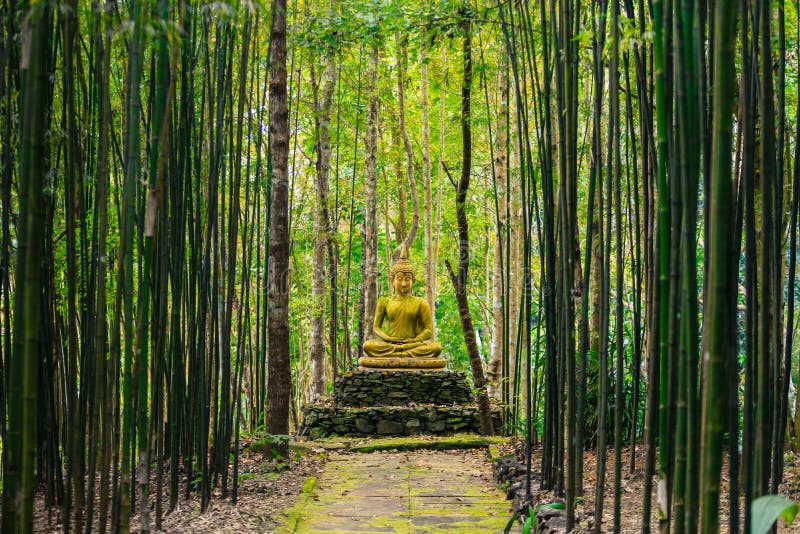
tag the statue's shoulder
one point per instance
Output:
(421, 302)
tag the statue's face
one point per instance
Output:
(403, 283)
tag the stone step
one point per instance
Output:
(320, 421)
(365, 387)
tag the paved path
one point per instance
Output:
(409, 492)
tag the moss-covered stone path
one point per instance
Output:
(410, 492)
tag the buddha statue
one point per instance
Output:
(405, 342)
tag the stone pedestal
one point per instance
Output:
(363, 388)
(392, 403)
(321, 421)
(402, 364)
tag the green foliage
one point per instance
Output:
(272, 468)
(269, 444)
(767, 509)
(365, 21)
(530, 522)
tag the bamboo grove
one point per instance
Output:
(199, 203)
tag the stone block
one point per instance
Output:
(413, 425)
(365, 426)
(437, 426)
(318, 433)
(387, 426)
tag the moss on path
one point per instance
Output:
(400, 443)
(408, 492)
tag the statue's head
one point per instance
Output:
(402, 274)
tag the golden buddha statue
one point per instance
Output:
(406, 341)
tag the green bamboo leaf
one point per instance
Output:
(767, 509)
(552, 506)
(511, 521)
(530, 522)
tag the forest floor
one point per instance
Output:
(271, 492)
(266, 489)
(632, 485)
(454, 486)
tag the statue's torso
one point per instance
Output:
(403, 315)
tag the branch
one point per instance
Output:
(449, 176)
(453, 277)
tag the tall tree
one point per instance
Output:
(722, 287)
(411, 234)
(498, 364)
(323, 100)
(428, 208)
(460, 279)
(125, 277)
(18, 479)
(370, 247)
(279, 373)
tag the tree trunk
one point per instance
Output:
(768, 264)
(460, 280)
(323, 99)
(125, 280)
(496, 368)
(19, 481)
(432, 257)
(430, 266)
(279, 373)
(370, 253)
(721, 287)
(396, 156)
(408, 237)
(102, 367)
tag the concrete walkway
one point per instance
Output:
(409, 492)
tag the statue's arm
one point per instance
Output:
(377, 323)
(425, 321)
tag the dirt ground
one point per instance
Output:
(633, 487)
(266, 489)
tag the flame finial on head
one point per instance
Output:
(402, 265)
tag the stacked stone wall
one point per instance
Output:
(363, 388)
(320, 421)
(396, 403)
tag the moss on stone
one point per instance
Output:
(295, 513)
(463, 441)
(410, 493)
(406, 443)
